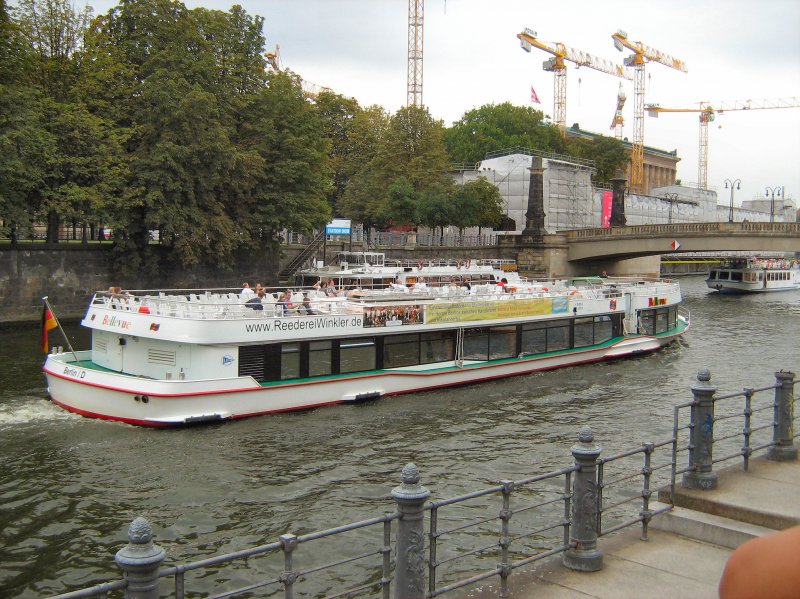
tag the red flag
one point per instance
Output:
(48, 324)
(534, 97)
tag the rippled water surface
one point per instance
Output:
(69, 486)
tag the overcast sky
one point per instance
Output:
(735, 50)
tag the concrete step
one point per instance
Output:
(708, 528)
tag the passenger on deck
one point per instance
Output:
(246, 293)
(398, 286)
(305, 307)
(330, 289)
(421, 284)
(285, 303)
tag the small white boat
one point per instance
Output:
(754, 275)
(167, 358)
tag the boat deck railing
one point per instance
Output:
(227, 305)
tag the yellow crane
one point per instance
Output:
(708, 114)
(528, 39)
(641, 55)
(617, 121)
(310, 90)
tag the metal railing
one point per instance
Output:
(470, 540)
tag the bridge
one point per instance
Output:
(649, 240)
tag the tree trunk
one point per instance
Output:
(52, 227)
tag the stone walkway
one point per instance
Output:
(687, 547)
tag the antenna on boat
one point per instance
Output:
(60, 328)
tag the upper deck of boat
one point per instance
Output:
(227, 305)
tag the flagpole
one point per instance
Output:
(60, 328)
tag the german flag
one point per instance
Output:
(48, 324)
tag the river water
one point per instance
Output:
(69, 486)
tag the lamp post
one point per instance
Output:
(734, 185)
(672, 198)
(771, 193)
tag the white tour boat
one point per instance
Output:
(754, 275)
(169, 358)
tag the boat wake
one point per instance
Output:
(31, 409)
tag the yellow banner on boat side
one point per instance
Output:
(492, 310)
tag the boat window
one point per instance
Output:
(502, 342)
(400, 350)
(356, 354)
(290, 361)
(603, 328)
(662, 322)
(584, 331)
(736, 276)
(320, 358)
(436, 347)
(476, 344)
(534, 340)
(558, 336)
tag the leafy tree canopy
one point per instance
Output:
(495, 127)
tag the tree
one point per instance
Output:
(412, 148)
(76, 172)
(607, 153)
(494, 127)
(339, 120)
(282, 175)
(25, 143)
(477, 204)
(401, 207)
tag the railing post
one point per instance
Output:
(140, 560)
(783, 449)
(584, 554)
(288, 576)
(701, 445)
(410, 568)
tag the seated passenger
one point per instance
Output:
(305, 307)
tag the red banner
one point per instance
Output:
(605, 214)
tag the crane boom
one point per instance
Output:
(528, 39)
(707, 113)
(642, 53)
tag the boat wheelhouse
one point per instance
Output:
(172, 358)
(754, 275)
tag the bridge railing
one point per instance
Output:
(684, 228)
(491, 532)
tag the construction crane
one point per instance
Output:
(310, 90)
(641, 55)
(617, 121)
(708, 114)
(416, 12)
(528, 39)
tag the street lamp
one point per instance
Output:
(771, 193)
(734, 185)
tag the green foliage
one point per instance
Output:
(411, 148)
(283, 163)
(477, 204)
(608, 154)
(495, 127)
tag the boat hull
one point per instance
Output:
(135, 400)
